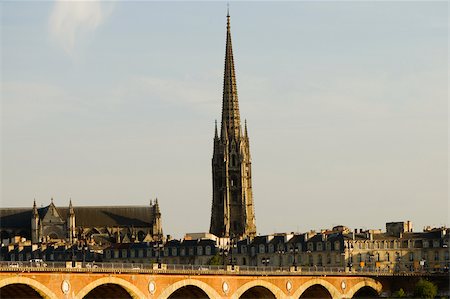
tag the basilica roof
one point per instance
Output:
(89, 216)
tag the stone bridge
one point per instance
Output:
(44, 282)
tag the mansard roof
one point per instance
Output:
(88, 216)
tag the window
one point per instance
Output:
(436, 243)
(337, 245)
(208, 250)
(359, 257)
(191, 251)
(243, 249)
(124, 253)
(310, 246)
(261, 248)
(446, 255)
(183, 251)
(149, 252)
(199, 250)
(319, 246)
(411, 256)
(328, 258)
(132, 253)
(319, 260)
(174, 251)
(426, 244)
(387, 257)
(141, 253)
(328, 246)
(271, 249)
(310, 259)
(378, 257)
(436, 255)
(382, 245)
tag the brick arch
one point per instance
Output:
(37, 286)
(367, 282)
(129, 287)
(317, 281)
(212, 293)
(276, 291)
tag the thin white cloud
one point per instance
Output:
(72, 21)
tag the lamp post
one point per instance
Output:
(280, 254)
(232, 244)
(294, 251)
(224, 254)
(157, 248)
(265, 261)
(350, 256)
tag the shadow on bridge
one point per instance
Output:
(366, 292)
(257, 292)
(189, 291)
(108, 290)
(316, 291)
(19, 290)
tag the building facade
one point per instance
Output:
(232, 212)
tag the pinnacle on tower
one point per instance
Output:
(71, 211)
(35, 211)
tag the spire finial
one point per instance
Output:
(228, 9)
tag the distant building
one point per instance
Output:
(232, 211)
(86, 225)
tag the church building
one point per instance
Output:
(89, 224)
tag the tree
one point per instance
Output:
(216, 260)
(399, 294)
(425, 289)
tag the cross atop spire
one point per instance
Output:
(230, 104)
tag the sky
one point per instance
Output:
(114, 103)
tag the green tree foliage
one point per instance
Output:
(425, 289)
(216, 260)
(399, 294)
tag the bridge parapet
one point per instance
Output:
(198, 269)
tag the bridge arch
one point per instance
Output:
(317, 281)
(276, 291)
(129, 287)
(367, 282)
(37, 286)
(212, 293)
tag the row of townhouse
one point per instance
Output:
(56, 252)
(396, 249)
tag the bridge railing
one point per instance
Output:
(147, 267)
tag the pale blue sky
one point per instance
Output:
(114, 103)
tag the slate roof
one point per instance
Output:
(89, 216)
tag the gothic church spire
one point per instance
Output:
(230, 104)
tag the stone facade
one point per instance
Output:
(232, 211)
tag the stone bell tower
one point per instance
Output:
(232, 212)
